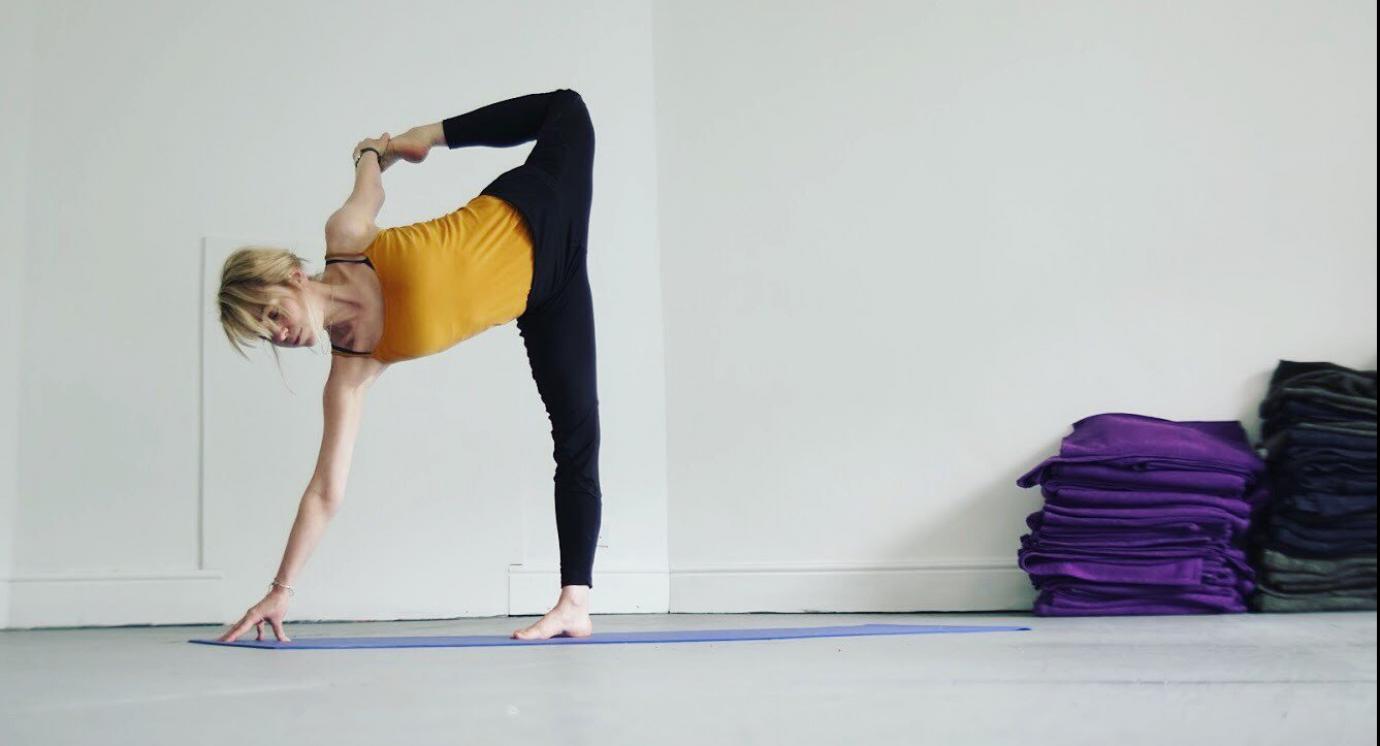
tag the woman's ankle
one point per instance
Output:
(435, 134)
(574, 595)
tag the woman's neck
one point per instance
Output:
(339, 300)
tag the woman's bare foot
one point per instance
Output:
(411, 146)
(570, 617)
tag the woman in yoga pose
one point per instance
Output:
(516, 251)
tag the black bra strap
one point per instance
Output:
(365, 260)
(348, 351)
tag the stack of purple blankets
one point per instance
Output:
(1144, 516)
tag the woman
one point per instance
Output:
(515, 251)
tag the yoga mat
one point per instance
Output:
(698, 635)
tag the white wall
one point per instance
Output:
(160, 127)
(900, 246)
(16, 78)
(906, 244)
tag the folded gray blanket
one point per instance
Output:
(1270, 599)
(1274, 560)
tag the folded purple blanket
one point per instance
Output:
(1099, 476)
(1069, 603)
(1162, 502)
(1144, 516)
(1148, 443)
(1140, 518)
(1169, 535)
(1160, 567)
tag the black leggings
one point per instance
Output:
(553, 191)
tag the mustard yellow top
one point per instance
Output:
(449, 279)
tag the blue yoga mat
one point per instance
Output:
(607, 638)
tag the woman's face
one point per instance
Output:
(288, 321)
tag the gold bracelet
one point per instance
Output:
(289, 588)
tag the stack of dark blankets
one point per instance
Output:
(1144, 516)
(1315, 547)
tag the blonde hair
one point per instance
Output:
(251, 283)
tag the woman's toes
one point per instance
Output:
(533, 632)
(572, 623)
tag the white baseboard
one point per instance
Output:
(81, 599)
(938, 585)
(191, 597)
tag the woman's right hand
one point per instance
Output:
(380, 146)
(271, 609)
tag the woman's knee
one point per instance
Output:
(576, 437)
(575, 117)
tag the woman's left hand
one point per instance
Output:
(379, 143)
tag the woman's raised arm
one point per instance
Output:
(352, 227)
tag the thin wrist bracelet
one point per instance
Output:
(369, 150)
(289, 588)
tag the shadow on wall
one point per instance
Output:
(1005, 505)
(1002, 505)
(1251, 393)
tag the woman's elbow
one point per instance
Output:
(331, 503)
(333, 507)
(348, 232)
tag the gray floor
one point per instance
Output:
(1257, 679)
